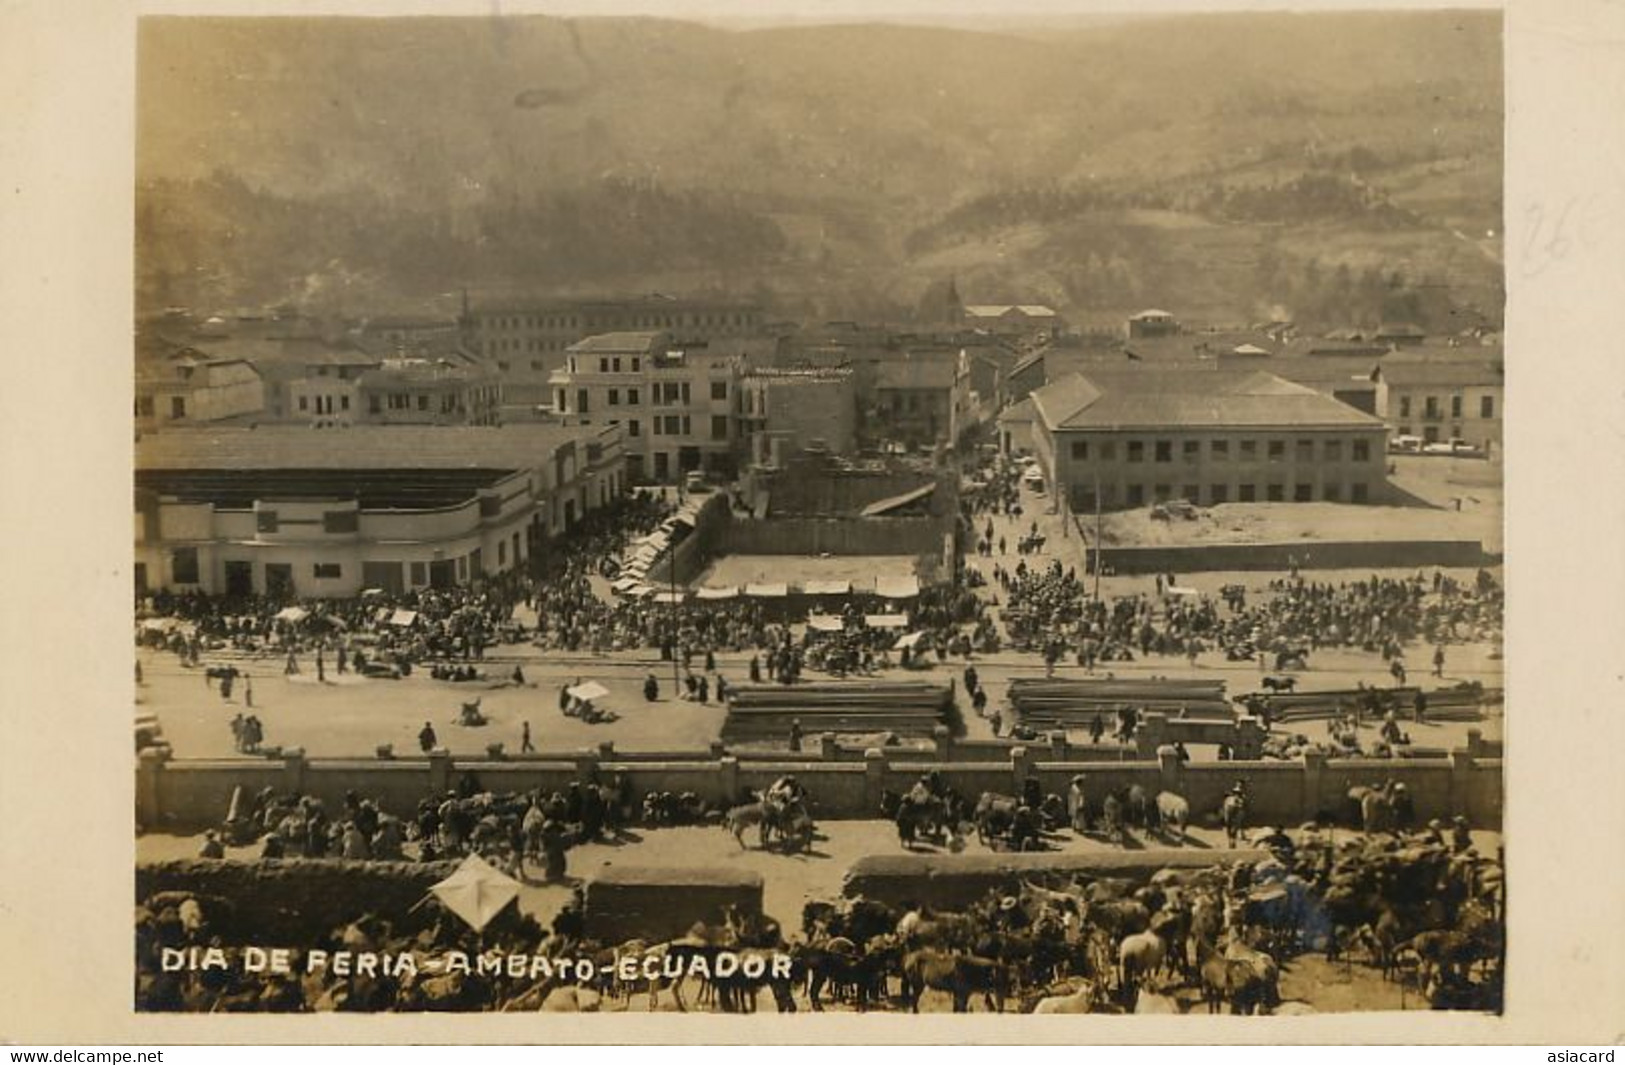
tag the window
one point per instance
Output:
(685, 393)
(637, 364)
(559, 399)
(1359, 492)
(1108, 450)
(1249, 451)
(719, 427)
(340, 521)
(1219, 493)
(603, 365)
(502, 552)
(631, 397)
(374, 404)
(1303, 493)
(1080, 449)
(304, 403)
(1455, 406)
(1247, 493)
(615, 364)
(328, 571)
(1455, 432)
(1303, 451)
(265, 521)
(1431, 409)
(1404, 430)
(344, 403)
(1136, 451)
(1486, 406)
(633, 428)
(687, 429)
(1191, 450)
(719, 390)
(423, 401)
(177, 406)
(145, 407)
(1136, 495)
(1219, 450)
(1277, 450)
(1334, 451)
(614, 397)
(1165, 451)
(183, 564)
(1404, 406)
(581, 401)
(1362, 450)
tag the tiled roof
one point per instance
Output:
(1203, 398)
(1018, 412)
(637, 342)
(1410, 373)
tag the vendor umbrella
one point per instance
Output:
(292, 613)
(910, 640)
(589, 691)
(476, 892)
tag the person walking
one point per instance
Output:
(321, 668)
(525, 746)
(1438, 661)
(427, 738)
(248, 691)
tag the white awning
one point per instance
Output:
(910, 640)
(667, 597)
(292, 613)
(403, 618)
(728, 592)
(886, 621)
(625, 584)
(897, 587)
(767, 591)
(827, 587)
(882, 506)
(825, 623)
(1177, 590)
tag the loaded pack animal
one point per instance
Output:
(792, 825)
(1173, 814)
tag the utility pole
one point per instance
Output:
(1097, 532)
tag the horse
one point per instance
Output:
(1111, 818)
(1279, 684)
(1137, 804)
(1233, 813)
(1174, 812)
(1139, 957)
(994, 816)
(739, 818)
(961, 975)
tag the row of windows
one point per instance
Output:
(617, 321)
(1303, 450)
(324, 404)
(1137, 495)
(664, 393)
(1431, 407)
(674, 425)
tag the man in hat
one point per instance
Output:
(1461, 837)
(426, 737)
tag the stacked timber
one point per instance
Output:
(911, 709)
(1051, 703)
(1445, 704)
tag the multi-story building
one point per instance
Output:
(281, 511)
(1030, 320)
(189, 387)
(429, 392)
(919, 400)
(785, 410)
(1127, 439)
(1458, 394)
(526, 340)
(679, 404)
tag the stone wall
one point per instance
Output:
(186, 795)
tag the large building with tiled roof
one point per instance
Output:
(1130, 438)
(294, 512)
(1445, 394)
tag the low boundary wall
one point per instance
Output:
(1316, 554)
(188, 794)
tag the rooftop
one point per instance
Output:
(394, 489)
(911, 372)
(640, 342)
(1443, 372)
(1190, 398)
(369, 448)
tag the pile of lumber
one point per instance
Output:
(1050, 703)
(1444, 704)
(911, 709)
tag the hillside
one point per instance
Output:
(834, 165)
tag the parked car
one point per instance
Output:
(1457, 447)
(1405, 445)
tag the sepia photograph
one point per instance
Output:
(733, 515)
